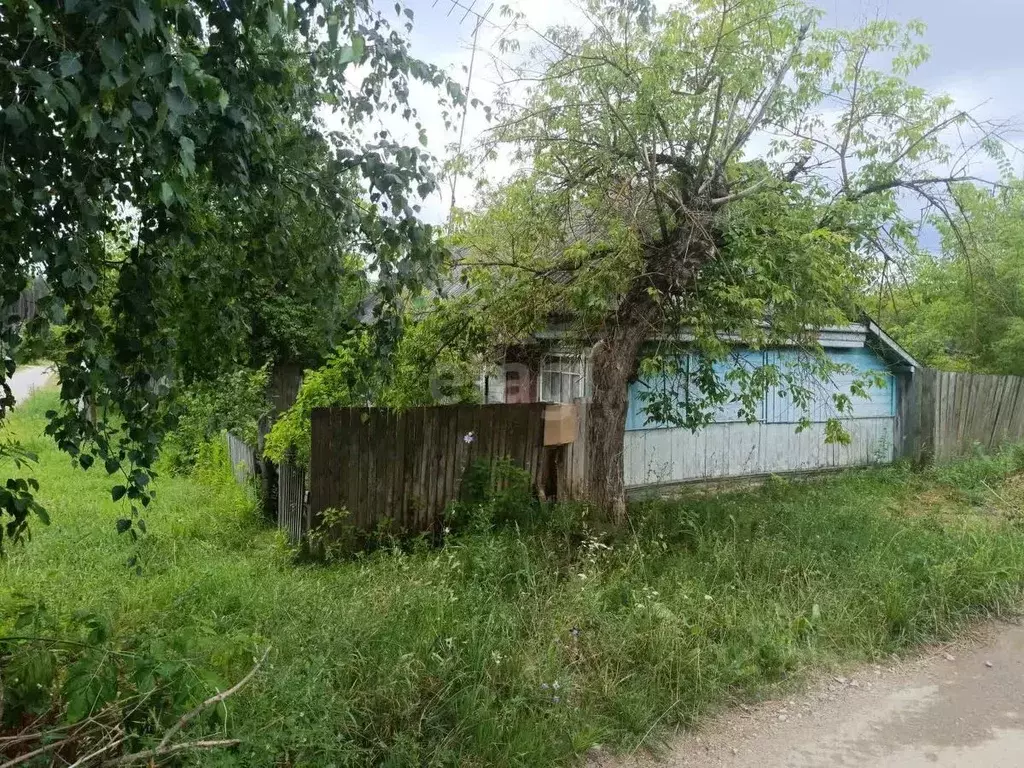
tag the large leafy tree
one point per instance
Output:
(964, 310)
(131, 114)
(286, 262)
(727, 167)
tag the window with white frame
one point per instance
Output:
(562, 378)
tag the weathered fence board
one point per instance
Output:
(291, 507)
(292, 510)
(243, 459)
(408, 467)
(944, 415)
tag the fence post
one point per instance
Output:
(575, 482)
(927, 403)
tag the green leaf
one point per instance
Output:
(142, 525)
(144, 16)
(273, 22)
(111, 52)
(111, 465)
(69, 65)
(85, 460)
(153, 63)
(99, 628)
(143, 109)
(178, 102)
(118, 492)
(91, 683)
(123, 524)
(166, 193)
(352, 53)
(187, 153)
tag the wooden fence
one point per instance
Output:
(944, 415)
(243, 459)
(292, 502)
(408, 466)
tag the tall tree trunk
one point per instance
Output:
(614, 362)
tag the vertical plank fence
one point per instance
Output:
(407, 467)
(292, 509)
(945, 415)
(574, 481)
(243, 459)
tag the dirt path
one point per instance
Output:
(954, 707)
(27, 380)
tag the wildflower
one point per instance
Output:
(575, 632)
(708, 597)
(468, 438)
(555, 699)
(555, 685)
(544, 686)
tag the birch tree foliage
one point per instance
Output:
(115, 107)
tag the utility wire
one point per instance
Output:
(465, 110)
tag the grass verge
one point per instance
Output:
(512, 648)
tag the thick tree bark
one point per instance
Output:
(614, 362)
(670, 268)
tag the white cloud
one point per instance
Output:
(446, 40)
(443, 34)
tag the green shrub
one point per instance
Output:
(493, 493)
(41, 342)
(235, 401)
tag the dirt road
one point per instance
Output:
(28, 379)
(954, 707)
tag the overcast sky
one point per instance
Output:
(975, 54)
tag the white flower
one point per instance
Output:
(468, 438)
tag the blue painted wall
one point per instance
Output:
(777, 406)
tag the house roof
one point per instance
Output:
(851, 336)
(888, 344)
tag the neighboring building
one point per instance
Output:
(657, 454)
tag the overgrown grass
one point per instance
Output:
(526, 649)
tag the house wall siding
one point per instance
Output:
(777, 406)
(731, 447)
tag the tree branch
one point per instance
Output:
(153, 754)
(212, 701)
(845, 146)
(34, 753)
(754, 188)
(755, 120)
(916, 184)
